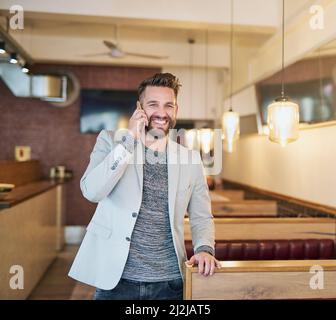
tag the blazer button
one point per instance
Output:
(128, 238)
(134, 214)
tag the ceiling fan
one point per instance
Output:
(115, 51)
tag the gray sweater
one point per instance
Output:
(152, 255)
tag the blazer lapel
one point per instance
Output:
(138, 162)
(173, 177)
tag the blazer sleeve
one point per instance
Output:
(108, 162)
(199, 210)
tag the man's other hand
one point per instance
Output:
(206, 263)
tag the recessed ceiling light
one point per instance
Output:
(2, 47)
(25, 68)
(13, 58)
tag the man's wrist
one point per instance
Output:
(206, 249)
(128, 141)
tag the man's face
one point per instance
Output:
(160, 105)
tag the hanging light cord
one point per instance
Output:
(231, 54)
(191, 69)
(320, 76)
(206, 69)
(283, 52)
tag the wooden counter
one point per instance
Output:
(27, 191)
(32, 219)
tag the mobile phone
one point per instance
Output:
(139, 106)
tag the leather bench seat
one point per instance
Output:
(272, 249)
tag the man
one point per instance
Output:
(134, 245)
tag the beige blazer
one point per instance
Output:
(114, 180)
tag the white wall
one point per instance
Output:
(244, 102)
(305, 169)
(201, 95)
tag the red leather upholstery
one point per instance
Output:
(272, 249)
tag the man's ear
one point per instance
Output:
(177, 108)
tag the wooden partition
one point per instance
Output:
(270, 228)
(244, 208)
(241, 280)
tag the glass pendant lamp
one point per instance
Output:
(230, 119)
(206, 140)
(283, 114)
(231, 129)
(191, 139)
(283, 121)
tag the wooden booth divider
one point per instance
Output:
(241, 280)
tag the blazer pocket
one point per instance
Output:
(99, 230)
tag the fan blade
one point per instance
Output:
(95, 54)
(143, 55)
(111, 45)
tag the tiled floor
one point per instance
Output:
(56, 285)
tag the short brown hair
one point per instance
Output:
(160, 80)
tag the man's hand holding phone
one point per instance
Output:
(137, 122)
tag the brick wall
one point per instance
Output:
(53, 133)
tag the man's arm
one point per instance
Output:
(201, 223)
(108, 162)
(199, 209)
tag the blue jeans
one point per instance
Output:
(136, 290)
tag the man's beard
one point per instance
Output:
(160, 132)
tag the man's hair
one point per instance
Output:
(160, 80)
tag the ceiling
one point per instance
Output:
(68, 33)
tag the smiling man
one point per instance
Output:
(144, 182)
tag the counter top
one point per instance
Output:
(29, 190)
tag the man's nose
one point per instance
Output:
(161, 112)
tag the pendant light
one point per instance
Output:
(230, 119)
(190, 137)
(206, 134)
(206, 137)
(283, 114)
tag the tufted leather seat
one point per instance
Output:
(272, 249)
